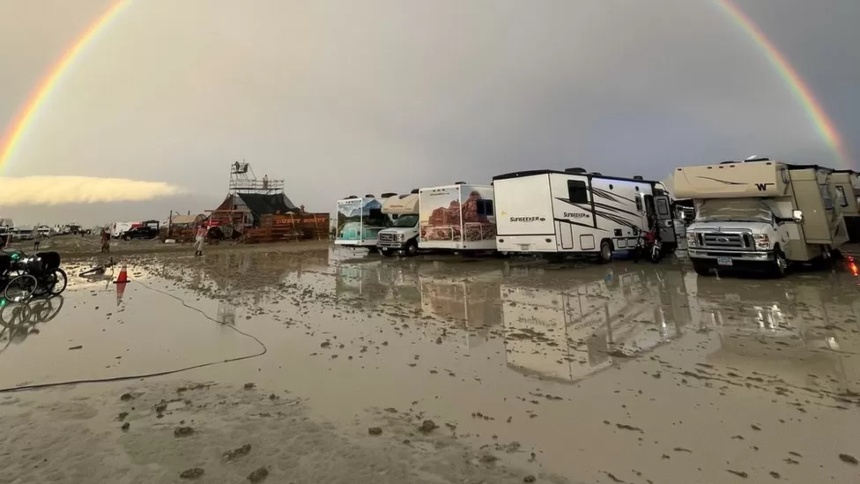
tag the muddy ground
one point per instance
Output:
(351, 369)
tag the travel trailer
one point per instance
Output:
(359, 220)
(847, 183)
(457, 217)
(760, 214)
(576, 212)
(402, 237)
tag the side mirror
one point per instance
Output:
(797, 215)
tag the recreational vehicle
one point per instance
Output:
(760, 214)
(457, 217)
(847, 184)
(359, 220)
(576, 212)
(402, 237)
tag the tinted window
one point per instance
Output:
(485, 208)
(663, 207)
(840, 197)
(638, 203)
(577, 191)
(825, 194)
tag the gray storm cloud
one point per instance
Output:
(383, 95)
(59, 190)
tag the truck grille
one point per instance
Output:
(386, 237)
(722, 240)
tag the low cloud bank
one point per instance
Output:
(58, 190)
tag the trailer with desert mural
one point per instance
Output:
(457, 217)
(359, 220)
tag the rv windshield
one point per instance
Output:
(406, 221)
(733, 210)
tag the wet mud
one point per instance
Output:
(434, 369)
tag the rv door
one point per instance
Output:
(665, 222)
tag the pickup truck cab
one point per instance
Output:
(402, 236)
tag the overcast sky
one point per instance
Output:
(346, 97)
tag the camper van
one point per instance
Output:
(847, 184)
(402, 237)
(576, 212)
(359, 220)
(458, 217)
(760, 214)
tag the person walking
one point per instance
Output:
(105, 241)
(199, 239)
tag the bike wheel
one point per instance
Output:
(21, 288)
(56, 282)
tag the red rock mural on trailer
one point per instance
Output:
(444, 222)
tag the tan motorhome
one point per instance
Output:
(847, 183)
(760, 214)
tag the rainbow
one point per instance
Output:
(804, 95)
(24, 119)
(823, 123)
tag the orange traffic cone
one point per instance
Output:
(123, 276)
(120, 290)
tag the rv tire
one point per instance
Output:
(779, 264)
(605, 254)
(411, 248)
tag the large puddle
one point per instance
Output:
(617, 373)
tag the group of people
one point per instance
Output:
(199, 240)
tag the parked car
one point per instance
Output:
(147, 230)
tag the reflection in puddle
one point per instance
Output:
(571, 333)
(18, 320)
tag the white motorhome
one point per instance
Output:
(760, 214)
(457, 217)
(359, 220)
(576, 212)
(402, 237)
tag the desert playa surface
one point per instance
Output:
(305, 363)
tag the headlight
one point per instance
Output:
(762, 241)
(691, 239)
(400, 237)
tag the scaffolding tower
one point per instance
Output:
(243, 180)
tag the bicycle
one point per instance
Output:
(16, 285)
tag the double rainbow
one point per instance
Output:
(823, 123)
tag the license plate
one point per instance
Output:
(525, 247)
(724, 261)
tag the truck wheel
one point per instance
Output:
(386, 252)
(701, 269)
(780, 264)
(411, 248)
(605, 254)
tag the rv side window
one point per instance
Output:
(638, 203)
(577, 191)
(841, 198)
(825, 195)
(485, 208)
(662, 207)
